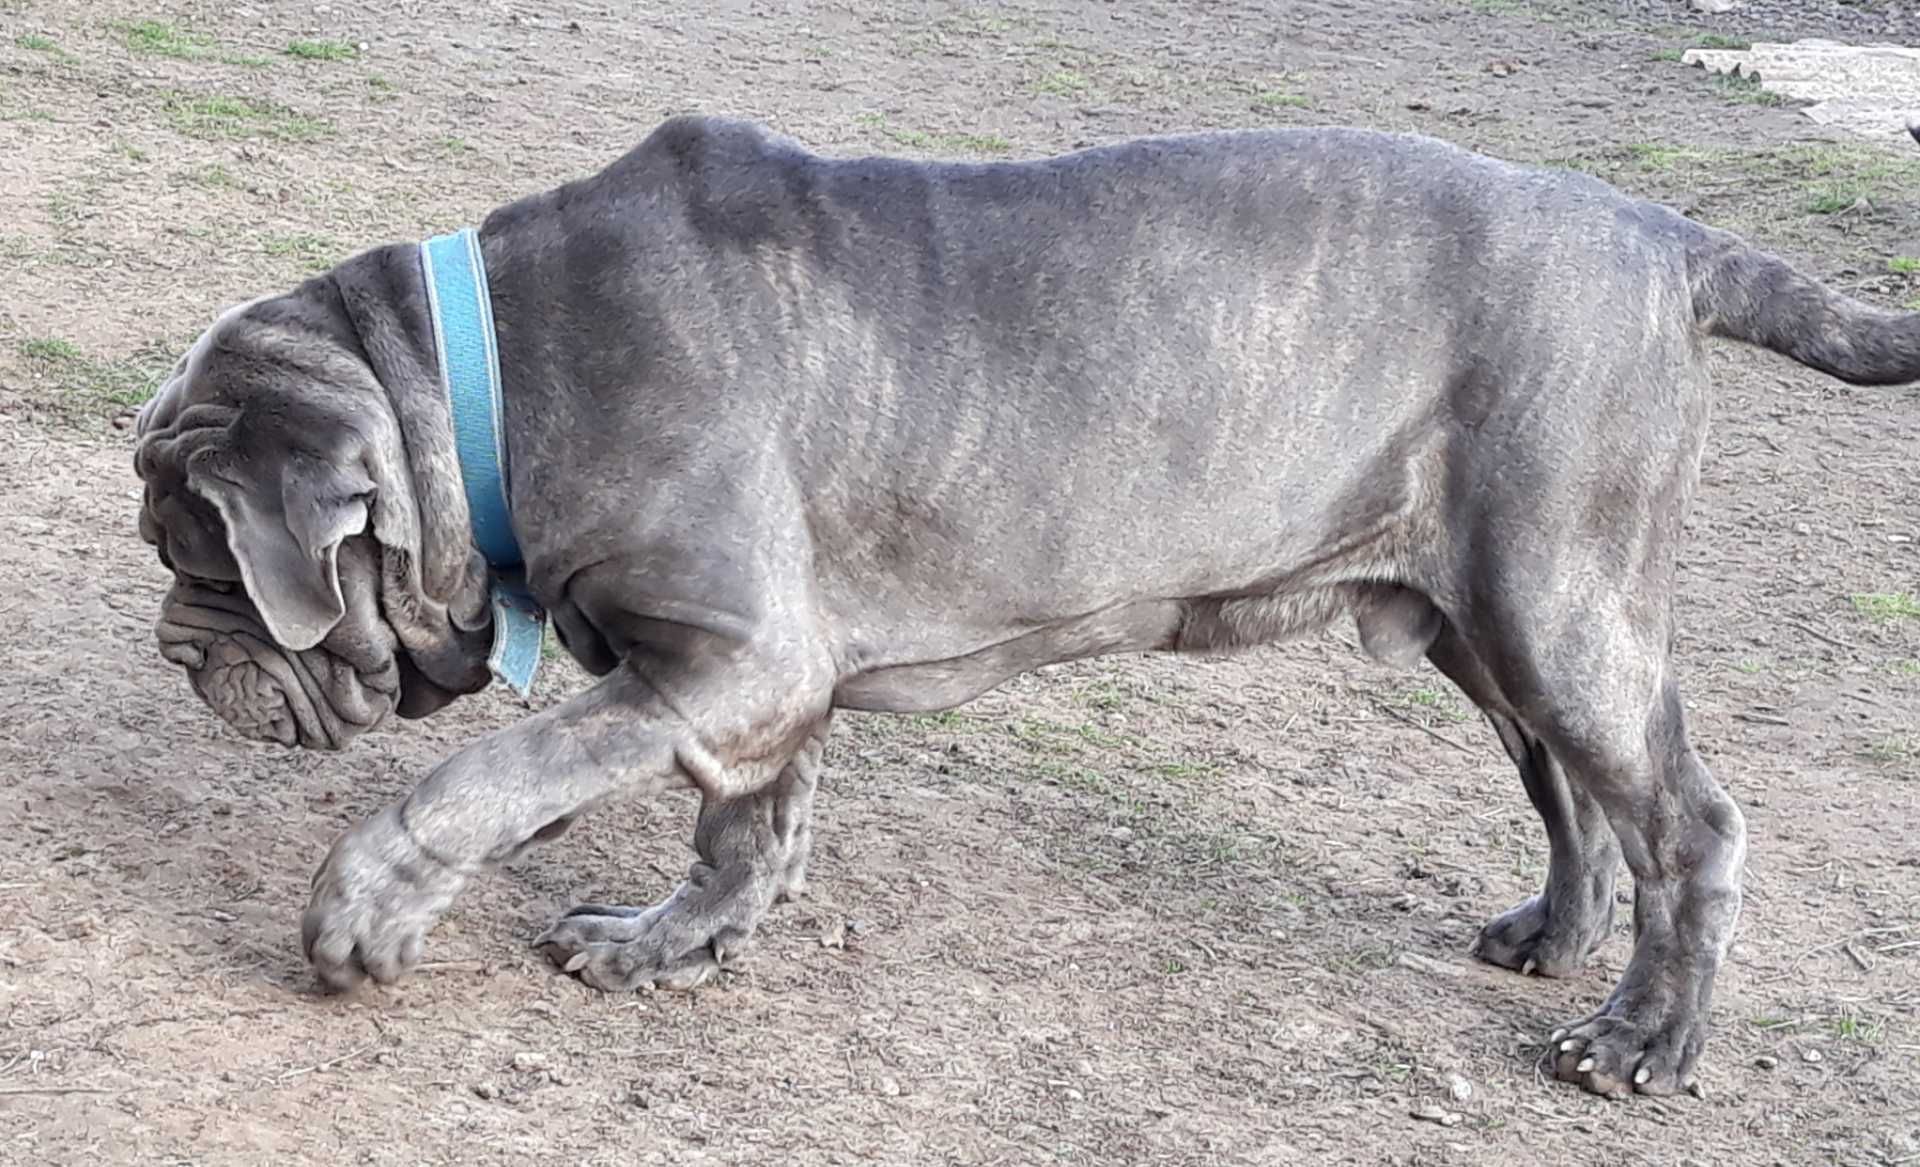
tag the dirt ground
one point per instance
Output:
(1134, 911)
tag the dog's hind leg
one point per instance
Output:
(1588, 681)
(1553, 932)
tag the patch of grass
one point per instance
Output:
(33, 42)
(1906, 265)
(1833, 178)
(157, 38)
(1851, 1028)
(1714, 40)
(224, 116)
(1180, 770)
(1892, 751)
(1905, 668)
(1912, 305)
(314, 253)
(1437, 701)
(1274, 99)
(1063, 83)
(962, 143)
(1887, 606)
(72, 380)
(1749, 667)
(66, 208)
(456, 146)
(1745, 90)
(1661, 155)
(322, 51)
(945, 719)
(50, 350)
(213, 176)
(1102, 695)
(1834, 197)
(973, 143)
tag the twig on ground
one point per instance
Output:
(328, 1064)
(1835, 641)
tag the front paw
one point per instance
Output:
(374, 900)
(1622, 1051)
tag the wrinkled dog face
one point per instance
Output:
(259, 493)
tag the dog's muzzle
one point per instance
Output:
(316, 699)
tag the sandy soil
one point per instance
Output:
(1135, 911)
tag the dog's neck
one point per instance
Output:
(382, 296)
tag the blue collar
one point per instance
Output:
(463, 336)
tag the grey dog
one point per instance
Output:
(791, 434)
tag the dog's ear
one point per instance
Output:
(285, 529)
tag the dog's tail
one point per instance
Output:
(1745, 294)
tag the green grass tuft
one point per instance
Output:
(1905, 265)
(156, 38)
(1887, 606)
(1278, 100)
(322, 51)
(71, 380)
(1745, 90)
(1064, 83)
(314, 253)
(218, 116)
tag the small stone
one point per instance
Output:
(527, 1062)
(487, 1091)
(1766, 1061)
(889, 1087)
(1812, 1057)
(1073, 1095)
(834, 935)
(638, 1101)
(1436, 1115)
(1802, 529)
(860, 927)
(1713, 7)
(1458, 1088)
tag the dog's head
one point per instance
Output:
(280, 492)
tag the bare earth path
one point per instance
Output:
(1131, 912)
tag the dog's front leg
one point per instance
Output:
(753, 852)
(737, 729)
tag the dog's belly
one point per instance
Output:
(1396, 626)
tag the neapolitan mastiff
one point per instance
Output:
(787, 435)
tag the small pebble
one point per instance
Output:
(889, 1087)
(1458, 1088)
(1437, 1115)
(1766, 1061)
(834, 935)
(1812, 1057)
(528, 1061)
(486, 1090)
